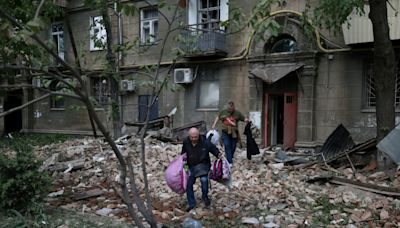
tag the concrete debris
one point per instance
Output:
(55, 194)
(253, 221)
(264, 192)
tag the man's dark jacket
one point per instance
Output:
(252, 147)
(198, 157)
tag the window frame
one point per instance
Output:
(211, 24)
(100, 36)
(57, 104)
(100, 95)
(193, 14)
(56, 35)
(207, 75)
(367, 88)
(152, 36)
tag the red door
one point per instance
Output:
(266, 121)
(289, 120)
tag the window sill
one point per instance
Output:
(207, 109)
(368, 110)
(148, 44)
(57, 109)
(373, 110)
(94, 50)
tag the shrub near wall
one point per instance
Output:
(21, 184)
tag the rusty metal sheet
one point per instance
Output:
(390, 145)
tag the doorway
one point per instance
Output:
(13, 121)
(280, 119)
(275, 108)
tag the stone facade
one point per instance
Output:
(329, 87)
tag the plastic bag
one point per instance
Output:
(176, 175)
(213, 136)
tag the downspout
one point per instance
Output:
(120, 61)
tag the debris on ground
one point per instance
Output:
(265, 192)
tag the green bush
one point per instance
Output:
(21, 185)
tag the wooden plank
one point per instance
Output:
(390, 191)
(367, 187)
(88, 194)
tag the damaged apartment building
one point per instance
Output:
(295, 89)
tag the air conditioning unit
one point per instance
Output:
(36, 82)
(183, 75)
(127, 86)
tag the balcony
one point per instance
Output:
(197, 43)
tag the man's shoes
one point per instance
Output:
(189, 208)
(207, 201)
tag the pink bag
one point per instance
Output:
(176, 176)
(221, 171)
(226, 169)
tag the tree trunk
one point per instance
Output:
(384, 72)
(112, 73)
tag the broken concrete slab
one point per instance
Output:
(88, 194)
(72, 165)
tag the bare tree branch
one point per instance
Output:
(42, 44)
(159, 11)
(35, 101)
(136, 195)
(39, 8)
(153, 98)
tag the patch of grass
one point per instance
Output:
(28, 141)
(322, 211)
(55, 218)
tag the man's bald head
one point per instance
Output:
(194, 135)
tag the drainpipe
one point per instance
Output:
(119, 61)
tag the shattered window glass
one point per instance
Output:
(285, 45)
(209, 14)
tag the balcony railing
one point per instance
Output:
(201, 43)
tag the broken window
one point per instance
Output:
(370, 96)
(100, 91)
(57, 102)
(285, 44)
(98, 34)
(148, 25)
(57, 33)
(208, 90)
(209, 14)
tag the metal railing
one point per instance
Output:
(195, 41)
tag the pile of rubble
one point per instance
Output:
(264, 192)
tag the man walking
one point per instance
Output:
(197, 149)
(230, 133)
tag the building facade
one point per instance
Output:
(296, 89)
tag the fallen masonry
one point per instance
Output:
(264, 192)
